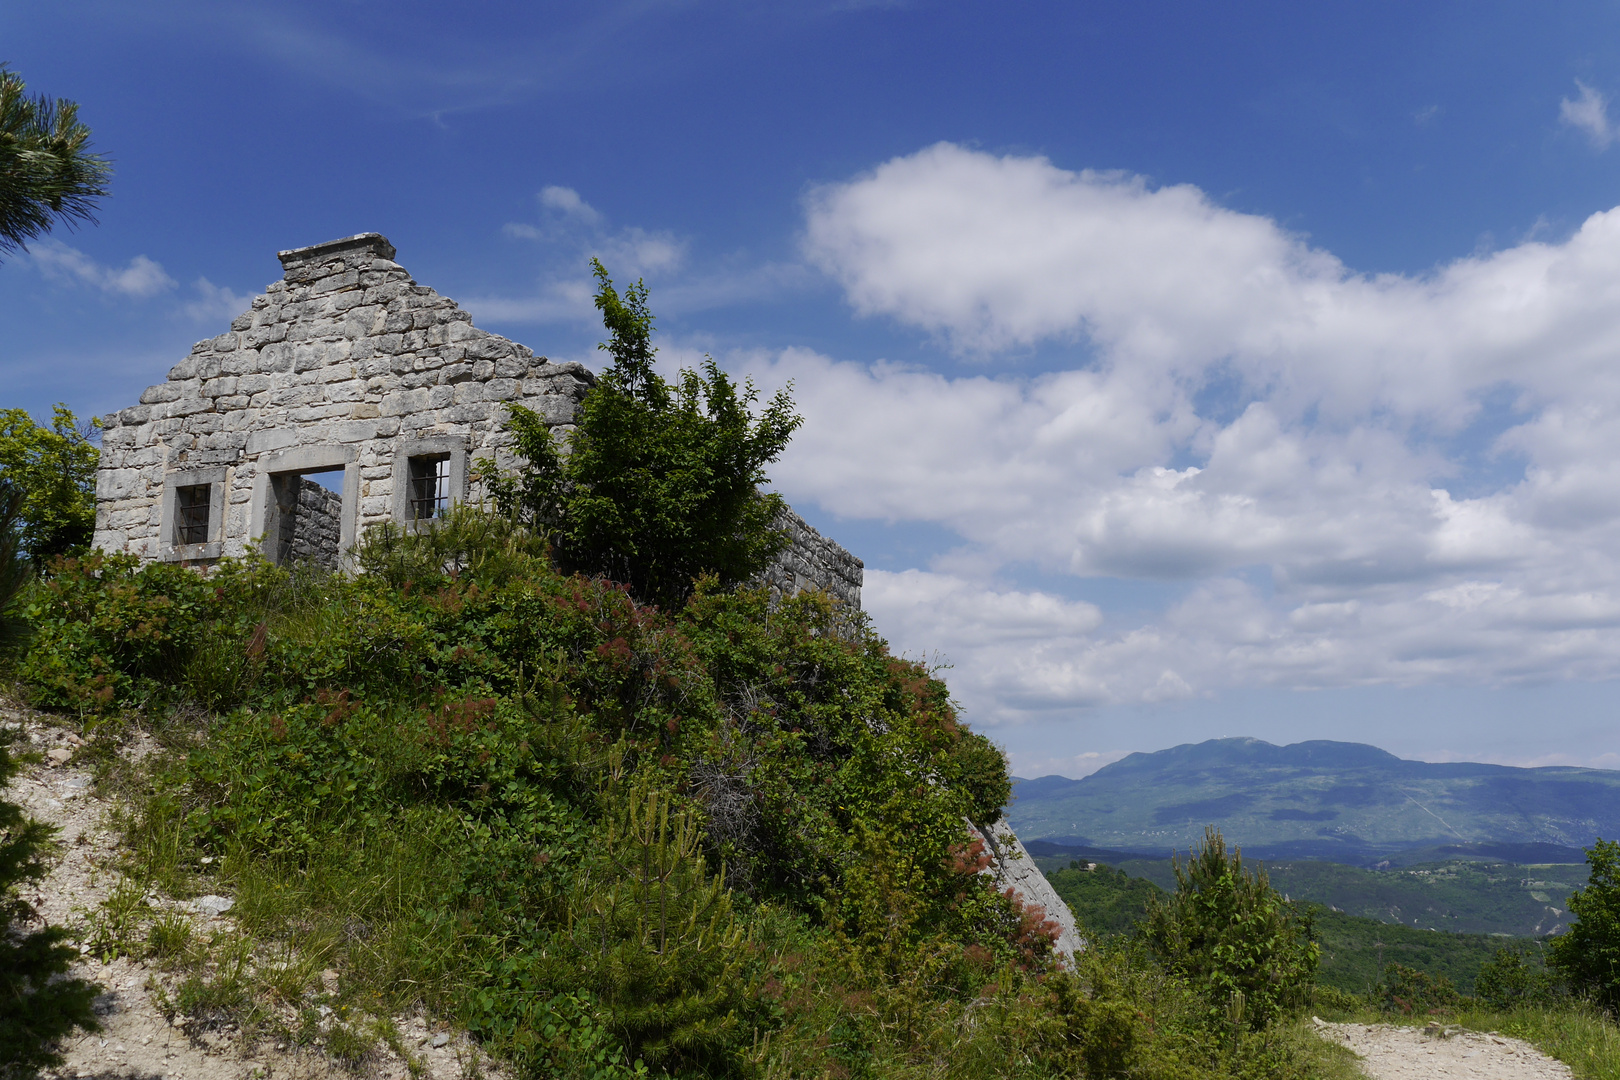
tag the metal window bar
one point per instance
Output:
(191, 505)
(430, 487)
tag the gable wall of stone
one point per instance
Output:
(347, 363)
(346, 357)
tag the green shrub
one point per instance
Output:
(1412, 992)
(1516, 975)
(1587, 955)
(1225, 928)
(659, 483)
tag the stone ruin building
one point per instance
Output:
(347, 395)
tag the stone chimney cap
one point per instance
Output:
(372, 243)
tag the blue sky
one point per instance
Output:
(1178, 373)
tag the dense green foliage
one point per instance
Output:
(659, 483)
(1226, 928)
(724, 840)
(1517, 975)
(1460, 896)
(55, 469)
(1353, 951)
(1106, 901)
(39, 1003)
(1588, 955)
(47, 173)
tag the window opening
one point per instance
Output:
(307, 517)
(191, 525)
(430, 487)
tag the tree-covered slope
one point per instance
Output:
(1316, 799)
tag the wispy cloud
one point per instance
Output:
(569, 232)
(213, 303)
(1590, 113)
(141, 279)
(567, 201)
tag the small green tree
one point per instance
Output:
(660, 483)
(47, 173)
(1230, 933)
(55, 469)
(39, 1005)
(1516, 975)
(1587, 955)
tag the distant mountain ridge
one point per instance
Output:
(1349, 802)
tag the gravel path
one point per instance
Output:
(1389, 1052)
(137, 1041)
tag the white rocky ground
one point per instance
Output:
(138, 1040)
(1388, 1052)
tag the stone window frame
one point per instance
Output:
(452, 446)
(299, 460)
(214, 480)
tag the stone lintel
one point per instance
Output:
(371, 243)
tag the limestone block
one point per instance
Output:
(135, 414)
(268, 334)
(225, 343)
(365, 410)
(162, 392)
(295, 395)
(402, 402)
(185, 369)
(188, 406)
(500, 389)
(277, 357)
(469, 413)
(220, 387)
(353, 431)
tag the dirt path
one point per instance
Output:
(1389, 1052)
(138, 1040)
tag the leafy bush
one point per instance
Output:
(1226, 928)
(659, 484)
(39, 1003)
(1587, 955)
(1409, 991)
(1516, 975)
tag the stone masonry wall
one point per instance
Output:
(345, 363)
(812, 561)
(311, 528)
(347, 358)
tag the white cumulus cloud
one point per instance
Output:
(1355, 479)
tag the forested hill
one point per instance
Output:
(1321, 799)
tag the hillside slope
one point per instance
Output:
(1344, 801)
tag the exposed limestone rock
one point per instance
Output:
(1014, 869)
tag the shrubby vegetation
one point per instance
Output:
(721, 841)
(558, 774)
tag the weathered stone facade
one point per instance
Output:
(812, 561)
(344, 364)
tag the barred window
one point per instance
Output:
(191, 517)
(430, 486)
